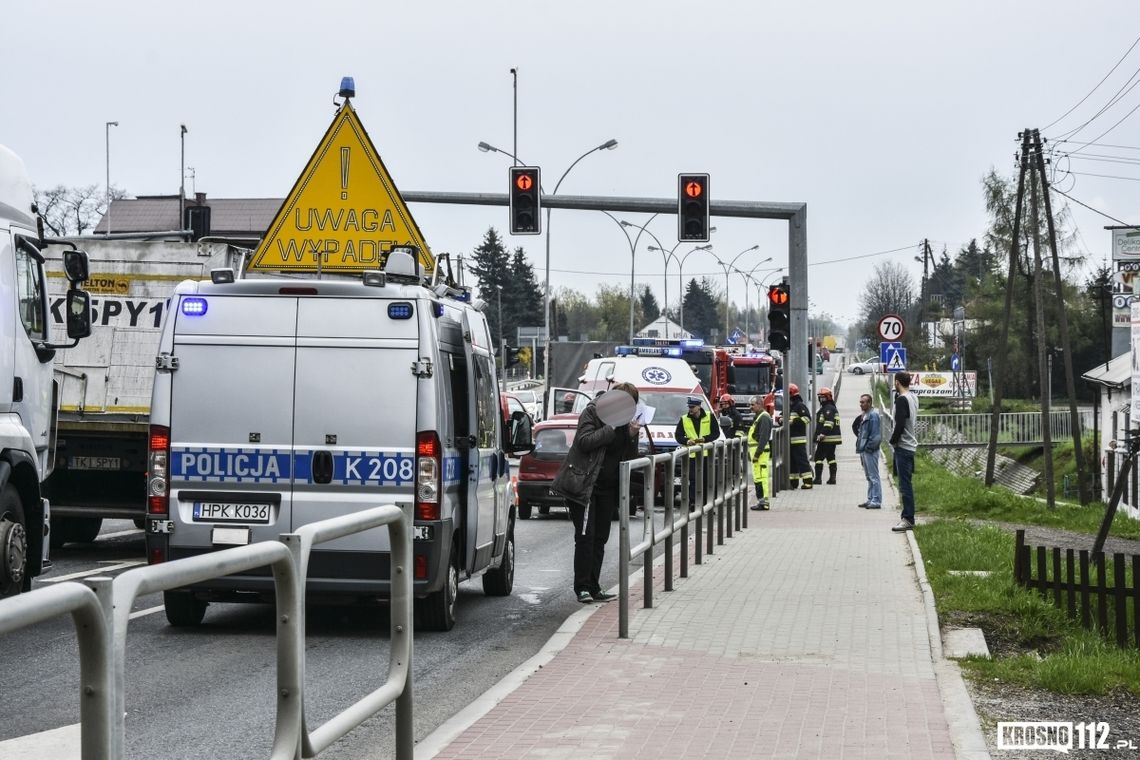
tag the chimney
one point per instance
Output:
(200, 199)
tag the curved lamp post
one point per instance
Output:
(746, 276)
(607, 145)
(728, 268)
(681, 275)
(624, 225)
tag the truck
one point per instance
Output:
(28, 394)
(105, 383)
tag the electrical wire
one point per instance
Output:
(1094, 89)
(864, 255)
(1114, 126)
(1106, 176)
(1119, 95)
(1090, 208)
(1099, 145)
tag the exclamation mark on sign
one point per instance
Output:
(344, 152)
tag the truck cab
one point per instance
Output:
(279, 402)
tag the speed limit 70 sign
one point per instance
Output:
(891, 327)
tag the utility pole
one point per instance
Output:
(1042, 349)
(1066, 346)
(1003, 353)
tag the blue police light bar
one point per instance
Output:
(347, 87)
(676, 351)
(399, 310)
(624, 351)
(194, 307)
(692, 343)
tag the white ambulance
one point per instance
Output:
(279, 402)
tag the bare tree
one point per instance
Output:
(73, 210)
(889, 291)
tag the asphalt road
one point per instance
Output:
(209, 692)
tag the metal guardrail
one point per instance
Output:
(1014, 428)
(101, 612)
(725, 497)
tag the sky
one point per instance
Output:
(882, 116)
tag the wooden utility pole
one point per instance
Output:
(1003, 353)
(1043, 382)
(1066, 346)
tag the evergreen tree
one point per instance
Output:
(490, 263)
(702, 314)
(649, 308)
(522, 298)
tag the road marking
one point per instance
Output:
(120, 533)
(96, 571)
(56, 744)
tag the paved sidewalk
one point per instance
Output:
(804, 635)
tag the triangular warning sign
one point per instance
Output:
(344, 209)
(895, 362)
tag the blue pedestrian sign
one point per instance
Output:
(955, 362)
(736, 337)
(892, 354)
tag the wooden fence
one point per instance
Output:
(1081, 579)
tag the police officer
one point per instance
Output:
(694, 428)
(799, 416)
(737, 428)
(828, 435)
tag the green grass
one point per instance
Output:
(1034, 643)
(938, 491)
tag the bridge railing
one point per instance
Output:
(1014, 428)
(101, 610)
(722, 497)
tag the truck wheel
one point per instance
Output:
(437, 610)
(13, 543)
(501, 580)
(182, 609)
(524, 511)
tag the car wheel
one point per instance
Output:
(524, 511)
(182, 609)
(857, 370)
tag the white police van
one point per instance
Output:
(279, 402)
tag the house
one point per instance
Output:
(664, 328)
(1112, 420)
(232, 219)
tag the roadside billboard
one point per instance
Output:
(942, 384)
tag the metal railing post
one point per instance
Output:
(699, 507)
(648, 483)
(687, 509)
(668, 489)
(110, 729)
(401, 604)
(623, 551)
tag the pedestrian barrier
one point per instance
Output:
(101, 609)
(726, 498)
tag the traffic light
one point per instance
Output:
(693, 208)
(512, 356)
(779, 317)
(526, 200)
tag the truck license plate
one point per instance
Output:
(93, 463)
(213, 511)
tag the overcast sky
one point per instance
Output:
(881, 116)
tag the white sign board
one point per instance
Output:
(891, 328)
(1135, 352)
(942, 384)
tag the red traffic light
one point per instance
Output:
(524, 182)
(694, 189)
(777, 295)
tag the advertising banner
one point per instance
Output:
(1126, 267)
(942, 384)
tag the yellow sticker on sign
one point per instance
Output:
(344, 210)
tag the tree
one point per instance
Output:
(490, 264)
(649, 308)
(889, 291)
(71, 211)
(702, 315)
(522, 296)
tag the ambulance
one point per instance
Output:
(280, 401)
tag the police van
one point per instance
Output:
(279, 402)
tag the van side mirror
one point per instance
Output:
(521, 441)
(78, 309)
(75, 266)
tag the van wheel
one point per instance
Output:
(182, 609)
(544, 510)
(501, 580)
(437, 610)
(13, 543)
(524, 511)
(84, 530)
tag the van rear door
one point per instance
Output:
(354, 411)
(231, 433)
(486, 464)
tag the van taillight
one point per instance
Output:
(158, 471)
(428, 467)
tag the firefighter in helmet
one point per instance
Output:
(827, 435)
(799, 417)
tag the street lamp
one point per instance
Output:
(607, 145)
(681, 275)
(746, 276)
(182, 181)
(623, 224)
(107, 213)
(728, 268)
(665, 254)
(502, 346)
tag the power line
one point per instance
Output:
(1094, 89)
(863, 256)
(1119, 95)
(1114, 126)
(1105, 176)
(1090, 208)
(1099, 145)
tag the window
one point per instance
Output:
(30, 290)
(486, 403)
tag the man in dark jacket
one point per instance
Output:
(799, 416)
(588, 480)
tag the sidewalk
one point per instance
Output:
(805, 635)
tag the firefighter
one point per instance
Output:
(828, 435)
(799, 416)
(737, 428)
(759, 444)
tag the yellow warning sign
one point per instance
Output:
(344, 214)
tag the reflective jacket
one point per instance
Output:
(687, 430)
(827, 423)
(798, 418)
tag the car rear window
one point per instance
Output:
(553, 442)
(527, 397)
